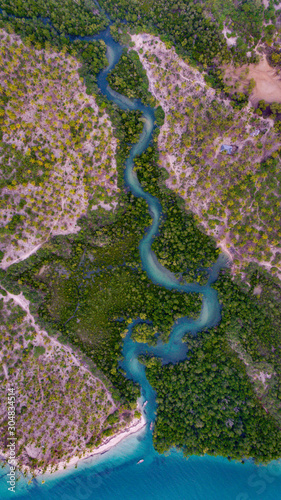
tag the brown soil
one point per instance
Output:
(268, 82)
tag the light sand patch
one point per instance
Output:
(268, 82)
(257, 290)
(230, 41)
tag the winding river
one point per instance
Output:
(116, 474)
(175, 350)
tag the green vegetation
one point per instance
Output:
(183, 249)
(159, 116)
(145, 333)
(179, 24)
(206, 405)
(38, 351)
(195, 29)
(244, 19)
(254, 330)
(129, 78)
(214, 402)
(112, 418)
(186, 25)
(225, 399)
(61, 408)
(267, 292)
(273, 110)
(80, 17)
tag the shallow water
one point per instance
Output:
(116, 474)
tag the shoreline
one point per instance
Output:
(111, 442)
(135, 426)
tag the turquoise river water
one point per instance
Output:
(116, 474)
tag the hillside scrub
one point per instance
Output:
(57, 147)
(234, 196)
(62, 409)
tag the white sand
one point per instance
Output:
(135, 427)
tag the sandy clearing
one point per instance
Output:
(263, 376)
(230, 41)
(24, 256)
(268, 82)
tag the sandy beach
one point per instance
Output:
(135, 426)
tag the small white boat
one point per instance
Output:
(144, 404)
(151, 426)
(140, 461)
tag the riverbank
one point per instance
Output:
(198, 125)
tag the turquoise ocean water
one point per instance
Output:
(117, 476)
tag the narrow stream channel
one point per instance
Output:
(175, 350)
